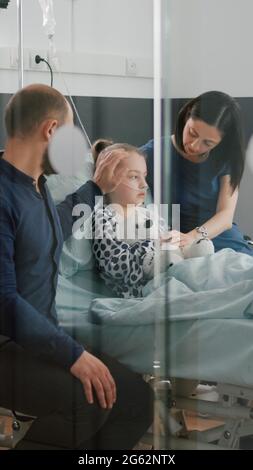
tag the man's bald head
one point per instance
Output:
(32, 105)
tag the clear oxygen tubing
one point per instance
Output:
(144, 188)
(72, 102)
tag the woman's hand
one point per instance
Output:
(172, 236)
(187, 239)
(178, 238)
(110, 170)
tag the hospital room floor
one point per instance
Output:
(193, 422)
(5, 428)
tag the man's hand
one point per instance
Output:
(109, 170)
(94, 374)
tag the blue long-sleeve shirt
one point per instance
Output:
(32, 231)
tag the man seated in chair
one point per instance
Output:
(80, 400)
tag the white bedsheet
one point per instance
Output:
(209, 331)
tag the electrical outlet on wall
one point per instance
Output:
(131, 67)
(32, 55)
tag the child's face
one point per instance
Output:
(132, 189)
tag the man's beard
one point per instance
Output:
(46, 166)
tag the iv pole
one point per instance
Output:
(20, 43)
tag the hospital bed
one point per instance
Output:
(208, 340)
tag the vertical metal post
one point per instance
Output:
(20, 44)
(161, 195)
(157, 14)
(158, 338)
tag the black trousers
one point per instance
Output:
(64, 419)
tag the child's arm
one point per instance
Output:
(167, 256)
(116, 258)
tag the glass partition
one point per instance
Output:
(103, 65)
(123, 254)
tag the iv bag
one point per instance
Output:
(49, 22)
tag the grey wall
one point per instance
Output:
(131, 120)
(127, 119)
(122, 119)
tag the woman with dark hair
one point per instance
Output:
(207, 163)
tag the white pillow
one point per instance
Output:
(76, 254)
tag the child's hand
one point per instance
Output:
(110, 170)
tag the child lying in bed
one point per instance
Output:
(124, 231)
